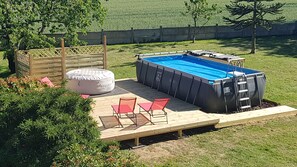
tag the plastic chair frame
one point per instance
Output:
(118, 114)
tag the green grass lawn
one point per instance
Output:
(271, 143)
(276, 57)
(4, 72)
(264, 144)
(141, 14)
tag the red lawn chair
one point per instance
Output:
(126, 106)
(157, 104)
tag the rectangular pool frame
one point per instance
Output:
(211, 96)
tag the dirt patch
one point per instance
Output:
(265, 104)
(160, 152)
(159, 148)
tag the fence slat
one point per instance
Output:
(46, 70)
(91, 62)
(63, 62)
(41, 66)
(21, 64)
(84, 65)
(105, 52)
(85, 58)
(73, 68)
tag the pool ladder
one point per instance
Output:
(243, 93)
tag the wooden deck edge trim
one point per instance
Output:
(161, 131)
(253, 119)
(126, 79)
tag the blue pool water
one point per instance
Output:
(196, 66)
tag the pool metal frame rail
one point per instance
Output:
(229, 90)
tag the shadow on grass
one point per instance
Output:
(147, 47)
(284, 46)
(127, 64)
(4, 72)
(146, 141)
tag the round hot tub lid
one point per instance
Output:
(89, 74)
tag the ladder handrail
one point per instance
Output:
(246, 94)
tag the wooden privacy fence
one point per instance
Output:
(55, 62)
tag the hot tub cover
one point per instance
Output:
(89, 74)
(90, 80)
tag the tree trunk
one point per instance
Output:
(11, 63)
(194, 32)
(254, 28)
(254, 39)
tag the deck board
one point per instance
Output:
(181, 115)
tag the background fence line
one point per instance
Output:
(175, 34)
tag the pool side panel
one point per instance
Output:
(196, 90)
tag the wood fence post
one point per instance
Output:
(295, 30)
(63, 57)
(161, 34)
(102, 36)
(132, 35)
(105, 53)
(16, 63)
(217, 29)
(189, 32)
(30, 65)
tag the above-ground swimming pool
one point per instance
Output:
(213, 86)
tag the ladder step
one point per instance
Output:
(244, 99)
(245, 107)
(243, 91)
(241, 83)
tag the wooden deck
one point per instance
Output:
(181, 115)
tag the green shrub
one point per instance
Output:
(37, 124)
(42, 126)
(82, 155)
(19, 85)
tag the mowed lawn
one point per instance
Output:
(142, 14)
(271, 143)
(276, 57)
(265, 144)
(3, 66)
(262, 144)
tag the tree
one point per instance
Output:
(251, 14)
(23, 23)
(200, 11)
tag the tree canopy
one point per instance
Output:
(24, 23)
(253, 13)
(200, 11)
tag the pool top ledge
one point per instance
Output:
(212, 71)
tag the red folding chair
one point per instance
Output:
(157, 104)
(126, 106)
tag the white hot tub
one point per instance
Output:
(90, 81)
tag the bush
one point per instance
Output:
(41, 125)
(82, 155)
(19, 85)
(36, 124)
